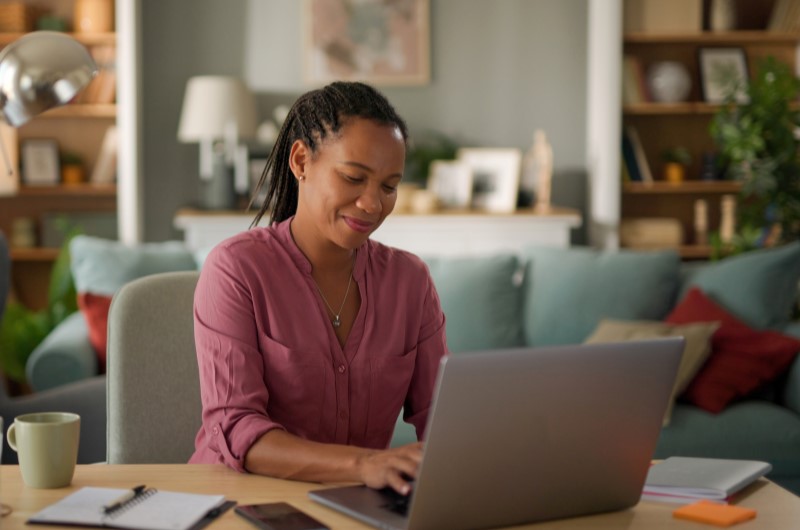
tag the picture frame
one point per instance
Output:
(380, 43)
(40, 162)
(451, 182)
(495, 177)
(720, 70)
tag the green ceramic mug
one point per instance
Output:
(47, 446)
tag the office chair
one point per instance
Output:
(154, 409)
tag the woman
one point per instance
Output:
(310, 336)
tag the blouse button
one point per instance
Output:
(215, 430)
(341, 368)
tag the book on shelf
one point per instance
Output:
(141, 508)
(634, 86)
(105, 168)
(785, 16)
(681, 479)
(634, 157)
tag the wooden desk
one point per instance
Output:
(777, 508)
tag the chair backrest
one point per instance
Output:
(154, 409)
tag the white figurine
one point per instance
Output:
(727, 224)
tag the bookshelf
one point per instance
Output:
(663, 126)
(78, 129)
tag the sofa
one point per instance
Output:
(740, 399)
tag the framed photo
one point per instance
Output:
(40, 164)
(723, 70)
(378, 42)
(495, 177)
(451, 182)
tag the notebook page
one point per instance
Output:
(164, 510)
(85, 507)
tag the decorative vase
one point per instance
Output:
(722, 15)
(674, 172)
(94, 16)
(669, 82)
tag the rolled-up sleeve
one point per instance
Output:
(432, 346)
(231, 366)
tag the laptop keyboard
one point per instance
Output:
(396, 502)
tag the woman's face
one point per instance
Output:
(350, 183)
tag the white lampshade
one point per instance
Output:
(211, 104)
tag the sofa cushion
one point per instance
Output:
(758, 287)
(750, 430)
(695, 352)
(568, 291)
(101, 266)
(480, 299)
(742, 358)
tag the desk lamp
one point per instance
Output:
(217, 111)
(40, 71)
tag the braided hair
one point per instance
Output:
(313, 117)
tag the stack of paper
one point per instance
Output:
(683, 479)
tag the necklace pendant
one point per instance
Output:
(337, 322)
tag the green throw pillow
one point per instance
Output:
(480, 300)
(568, 291)
(758, 287)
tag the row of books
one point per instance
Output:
(634, 82)
(635, 167)
(103, 88)
(785, 16)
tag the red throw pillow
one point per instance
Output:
(742, 358)
(95, 310)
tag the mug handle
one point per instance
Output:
(11, 436)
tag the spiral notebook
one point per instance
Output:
(150, 509)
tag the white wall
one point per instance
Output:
(500, 69)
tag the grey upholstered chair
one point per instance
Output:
(153, 385)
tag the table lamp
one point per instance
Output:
(40, 71)
(217, 111)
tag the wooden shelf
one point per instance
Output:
(663, 109)
(684, 251)
(87, 39)
(81, 110)
(688, 186)
(77, 190)
(709, 37)
(34, 254)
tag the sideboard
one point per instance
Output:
(442, 233)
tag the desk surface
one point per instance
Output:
(777, 508)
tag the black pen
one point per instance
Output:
(108, 508)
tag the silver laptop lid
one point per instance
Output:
(526, 435)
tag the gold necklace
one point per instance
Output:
(336, 320)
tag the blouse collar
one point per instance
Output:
(284, 233)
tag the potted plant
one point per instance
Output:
(758, 146)
(23, 329)
(676, 160)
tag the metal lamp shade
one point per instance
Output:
(39, 71)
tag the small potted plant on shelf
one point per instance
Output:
(759, 147)
(676, 160)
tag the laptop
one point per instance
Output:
(524, 435)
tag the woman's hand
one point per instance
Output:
(392, 467)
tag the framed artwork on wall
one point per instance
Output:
(40, 163)
(723, 70)
(378, 42)
(495, 177)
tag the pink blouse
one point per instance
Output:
(269, 358)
